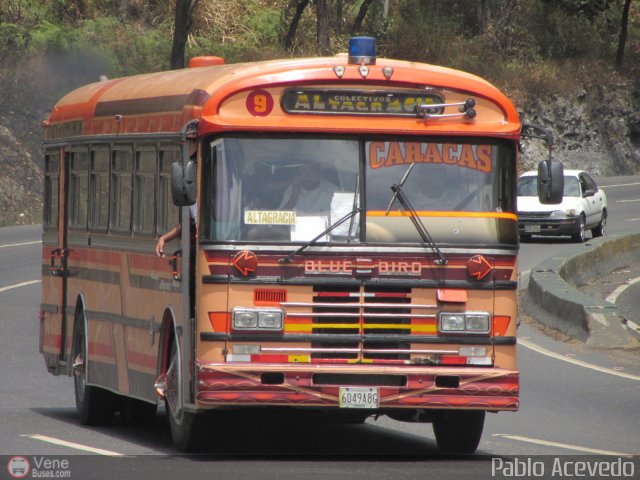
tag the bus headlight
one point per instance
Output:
(477, 322)
(465, 322)
(257, 319)
(452, 322)
(245, 319)
(271, 320)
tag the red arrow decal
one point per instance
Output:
(245, 262)
(478, 267)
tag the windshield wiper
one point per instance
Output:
(404, 179)
(415, 219)
(288, 258)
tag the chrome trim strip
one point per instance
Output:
(310, 350)
(361, 249)
(356, 305)
(355, 350)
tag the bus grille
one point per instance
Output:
(362, 324)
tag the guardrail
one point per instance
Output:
(554, 298)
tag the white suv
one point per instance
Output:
(583, 207)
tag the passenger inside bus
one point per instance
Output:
(176, 231)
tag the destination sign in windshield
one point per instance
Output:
(357, 102)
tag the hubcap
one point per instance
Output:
(78, 376)
(171, 385)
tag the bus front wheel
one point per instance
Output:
(181, 423)
(458, 431)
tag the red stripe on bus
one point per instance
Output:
(101, 349)
(148, 262)
(142, 359)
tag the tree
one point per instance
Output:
(182, 27)
(295, 21)
(622, 39)
(323, 33)
(364, 8)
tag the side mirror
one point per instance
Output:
(550, 182)
(589, 193)
(183, 183)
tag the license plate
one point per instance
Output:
(359, 397)
(532, 228)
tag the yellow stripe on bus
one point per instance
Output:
(353, 326)
(434, 213)
(299, 359)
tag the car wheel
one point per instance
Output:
(601, 229)
(579, 235)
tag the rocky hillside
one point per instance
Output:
(596, 128)
(20, 172)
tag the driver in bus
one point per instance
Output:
(426, 189)
(310, 193)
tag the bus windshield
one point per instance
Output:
(291, 190)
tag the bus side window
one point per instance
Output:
(144, 191)
(168, 215)
(78, 189)
(51, 189)
(99, 190)
(121, 190)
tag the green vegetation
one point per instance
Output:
(523, 46)
(566, 56)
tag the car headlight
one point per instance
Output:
(563, 213)
(257, 319)
(465, 322)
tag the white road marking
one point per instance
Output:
(557, 356)
(567, 446)
(628, 201)
(77, 446)
(19, 244)
(618, 291)
(620, 185)
(18, 285)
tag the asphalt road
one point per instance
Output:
(574, 401)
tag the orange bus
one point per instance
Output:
(353, 250)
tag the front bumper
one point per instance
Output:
(548, 226)
(224, 385)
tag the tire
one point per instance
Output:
(458, 432)
(601, 229)
(181, 423)
(580, 233)
(95, 405)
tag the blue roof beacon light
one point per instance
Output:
(362, 51)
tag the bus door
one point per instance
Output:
(53, 330)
